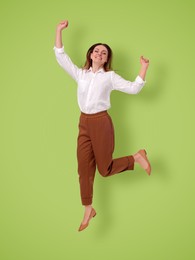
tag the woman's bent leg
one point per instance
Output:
(102, 136)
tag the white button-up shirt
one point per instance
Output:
(94, 89)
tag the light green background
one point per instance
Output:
(138, 217)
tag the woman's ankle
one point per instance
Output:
(136, 157)
(88, 207)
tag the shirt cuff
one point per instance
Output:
(59, 50)
(140, 80)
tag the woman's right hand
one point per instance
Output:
(62, 25)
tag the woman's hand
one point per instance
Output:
(144, 62)
(62, 25)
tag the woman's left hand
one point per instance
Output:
(144, 62)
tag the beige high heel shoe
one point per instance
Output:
(148, 168)
(92, 215)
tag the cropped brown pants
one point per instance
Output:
(95, 146)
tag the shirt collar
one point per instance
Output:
(100, 70)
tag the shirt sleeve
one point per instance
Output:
(126, 86)
(66, 63)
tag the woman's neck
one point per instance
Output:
(96, 67)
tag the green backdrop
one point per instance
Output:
(138, 217)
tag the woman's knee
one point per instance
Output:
(103, 171)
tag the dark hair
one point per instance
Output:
(88, 62)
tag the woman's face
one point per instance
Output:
(99, 55)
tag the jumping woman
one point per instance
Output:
(95, 143)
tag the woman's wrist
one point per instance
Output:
(58, 30)
(143, 71)
(144, 67)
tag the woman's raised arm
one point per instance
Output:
(60, 27)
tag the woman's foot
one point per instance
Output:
(141, 158)
(88, 215)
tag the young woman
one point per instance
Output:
(95, 144)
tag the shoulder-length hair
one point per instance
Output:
(88, 63)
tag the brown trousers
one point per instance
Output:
(95, 146)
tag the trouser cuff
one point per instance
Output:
(131, 162)
(86, 201)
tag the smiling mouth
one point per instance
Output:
(98, 58)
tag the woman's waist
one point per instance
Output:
(95, 115)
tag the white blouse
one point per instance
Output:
(94, 89)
